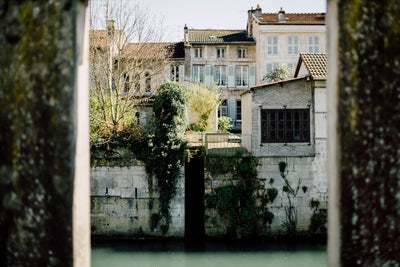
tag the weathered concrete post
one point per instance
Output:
(38, 72)
(364, 93)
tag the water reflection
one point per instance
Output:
(211, 253)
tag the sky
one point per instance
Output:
(220, 14)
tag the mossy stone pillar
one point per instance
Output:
(364, 93)
(38, 74)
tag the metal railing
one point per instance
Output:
(221, 143)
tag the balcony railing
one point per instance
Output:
(221, 143)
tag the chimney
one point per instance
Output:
(281, 16)
(258, 11)
(110, 28)
(186, 35)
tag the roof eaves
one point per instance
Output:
(278, 82)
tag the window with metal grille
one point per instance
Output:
(285, 125)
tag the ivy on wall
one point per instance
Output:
(162, 149)
(237, 203)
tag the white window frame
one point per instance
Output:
(220, 52)
(313, 44)
(242, 76)
(242, 52)
(174, 74)
(223, 109)
(270, 67)
(293, 45)
(198, 52)
(272, 45)
(198, 74)
(220, 75)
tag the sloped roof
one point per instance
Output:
(293, 18)
(211, 36)
(154, 50)
(315, 63)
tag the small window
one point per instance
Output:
(198, 52)
(174, 73)
(220, 75)
(272, 45)
(223, 109)
(285, 125)
(313, 44)
(220, 52)
(238, 110)
(242, 53)
(147, 81)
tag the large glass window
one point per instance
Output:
(198, 73)
(313, 44)
(285, 125)
(220, 75)
(242, 75)
(272, 45)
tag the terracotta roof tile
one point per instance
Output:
(219, 36)
(315, 63)
(294, 18)
(155, 50)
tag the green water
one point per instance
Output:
(230, 254)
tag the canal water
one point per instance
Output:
(145, 253)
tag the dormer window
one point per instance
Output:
(198, 52)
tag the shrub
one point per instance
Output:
(224, 124)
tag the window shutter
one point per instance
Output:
(252, 76)
(275, 45)
(209, 81)
(168, 73)
(181, 73)
(231, 103)
(231, 76)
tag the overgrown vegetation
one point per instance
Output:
(237, 203)
(224, 124)
(290, 223)
(163, 150)
(318, 219)
(203, 102)
(280, 73)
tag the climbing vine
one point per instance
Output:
(163, 148)
(237, 203)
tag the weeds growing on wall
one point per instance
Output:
(237, 203)
(290, 223)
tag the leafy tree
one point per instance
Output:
(203, 101)
(280, 73)
(123, 57)
(168, 144)
(224, 124)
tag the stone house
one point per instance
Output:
(282, 36)
(288, 122)
(225, 59)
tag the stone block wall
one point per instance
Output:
(313, 177)
(128, 210)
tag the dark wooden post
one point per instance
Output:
(364, 85)
(38, 68)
